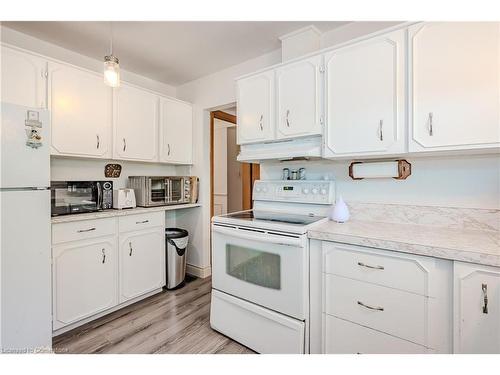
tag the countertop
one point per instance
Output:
(467, 245)
(124, 212)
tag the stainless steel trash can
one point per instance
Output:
(176, 242)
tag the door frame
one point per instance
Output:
(220, 115)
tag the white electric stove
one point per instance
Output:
(260, 262)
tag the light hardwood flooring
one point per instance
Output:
(169, 322)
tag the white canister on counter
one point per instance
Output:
(340, 212)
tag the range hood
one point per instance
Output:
(310, 147)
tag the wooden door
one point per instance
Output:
(23, 79)
(176, 132)
(365, 97)
(476, 329)
(80, 106)
(142, 263)
(298, 88)
(256, 108)
(135, 124)
(84, 279)
(455, 85)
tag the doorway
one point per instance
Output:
(231, 181)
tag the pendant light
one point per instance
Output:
(111, 65)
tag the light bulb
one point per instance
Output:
(111, 71)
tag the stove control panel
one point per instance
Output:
(298, 191)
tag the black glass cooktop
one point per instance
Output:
(278, 217)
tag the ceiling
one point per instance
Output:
(169, 52)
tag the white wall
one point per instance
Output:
(458, 181)
(217, 91)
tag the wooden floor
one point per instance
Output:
(169, 322)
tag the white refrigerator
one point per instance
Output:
(25, 253)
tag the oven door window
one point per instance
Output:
(158, 190)
(176, 189)
(254, 266)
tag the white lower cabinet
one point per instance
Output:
(141, 254)
(477, 309)
(103, 264)
(377, 301)
(84, 279)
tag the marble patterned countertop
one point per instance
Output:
(124, 212)
(462, 241)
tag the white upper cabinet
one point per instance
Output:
(80, 107)
(256, 117)
(298, 87)
(176, 131)
(365, 102)
(135, 118)
(477, 309)
(23, 79)
(454, 85)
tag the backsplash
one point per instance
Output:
(63, 169)
(456, 218)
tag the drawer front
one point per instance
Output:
(398, 313)
(141, 221)
(343, 337)
(82, 230)
(380, 267)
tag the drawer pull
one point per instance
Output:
(484, 287)
(85, 230)
(130, 245)
(142, 222)
(372, 267)
(370, 307)
(103, 256)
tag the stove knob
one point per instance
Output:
(264, 190)
(257, 189)
(323, 191)
(305, 191)
(315, 191)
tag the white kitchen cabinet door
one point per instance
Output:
(135, 124)
(84, 279)
(454, 85)
(256, 112)
(298, 88)
(476, 329)
(365, 102)
(23, 79)
(80, 107)
(176, 132)
(142, 263)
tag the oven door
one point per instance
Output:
(267, 268)
(157, 191)
(74, 197)
(176, 190)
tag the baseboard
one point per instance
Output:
(199, 271)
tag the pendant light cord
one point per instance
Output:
(111, 37)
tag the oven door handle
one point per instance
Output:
(259, 236)
(99, 195)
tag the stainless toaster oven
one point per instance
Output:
(153, 191)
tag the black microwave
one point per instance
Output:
(74, 197)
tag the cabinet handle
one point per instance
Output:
(130, 246)
(260, 122)
(370, 307)
(142, 222)
(98, 141)
(103, 256)
(286, 118)
(124, 144)
(361, 264)
(484, 287)
(381, 129)
(168, 147)
(85, 230)
(431, 130)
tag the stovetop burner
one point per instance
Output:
(279, 217)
